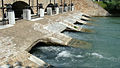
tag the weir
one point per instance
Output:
(26, 33)
(33, 33)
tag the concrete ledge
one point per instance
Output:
(24, 58)
(5, 26)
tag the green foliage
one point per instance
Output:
(101, 4)
(112, 7)
(118, 5)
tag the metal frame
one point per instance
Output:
(71, 2)
(37, 6)
(29, 2)
(50, 1)
(3, 16)
(54, 2)
(61, 2)
(64, 1)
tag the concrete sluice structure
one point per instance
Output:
(17, 41)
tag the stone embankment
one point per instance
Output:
(90, 8)
(17, 41)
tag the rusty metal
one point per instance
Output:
(3, 16)
(54, 2)
(37, 7)
(65, 4)
(61, 3)
(64, 1)
(29, 2)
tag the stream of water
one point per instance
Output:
(104, 53)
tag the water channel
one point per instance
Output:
(104, 53)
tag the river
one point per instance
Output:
(104, 53)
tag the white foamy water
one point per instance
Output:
(79, 56)
(67, 54)
(49, 48)
(113, 59)
(97, 55)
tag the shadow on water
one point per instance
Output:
(87, 30)
(80, 44)
(83, 30)
(44, 44)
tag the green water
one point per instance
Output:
(104, 53)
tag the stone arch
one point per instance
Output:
(50, 5)
(43, 42)
(18, 7)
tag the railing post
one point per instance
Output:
(72, 6)
(54, 2)
(3, 17)
(29, 3)
(37, 7)
(61, 2)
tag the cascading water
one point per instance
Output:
(104, 52)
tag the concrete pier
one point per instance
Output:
(17, 41)
(57, 10)
(41, 12)
(65, 8)
(49, 11)
(11, 17)
(27, 14)
(60, 9)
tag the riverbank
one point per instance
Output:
(16, 41)
(113, 7)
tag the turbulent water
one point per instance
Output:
(104, 53)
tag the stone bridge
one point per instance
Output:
(18, 4)
(85, 6)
